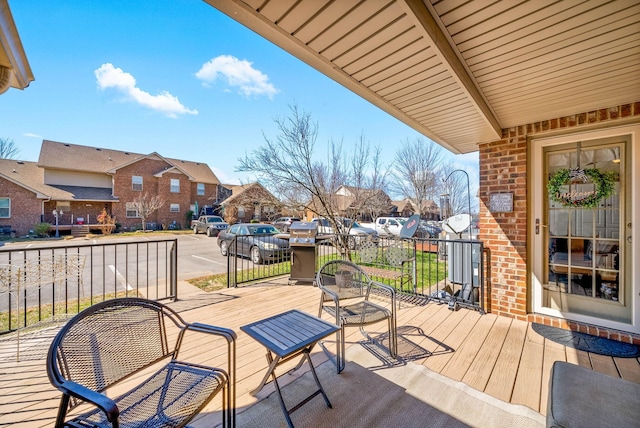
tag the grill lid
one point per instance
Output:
(303, 233)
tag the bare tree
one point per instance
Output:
(417, 166)
(286, 165)
(8, 149)
(145, 206)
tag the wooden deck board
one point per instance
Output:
(500, 384)
(451, 334)
(552, 352)
(604, 364)
(628, 369)
(502, 356)
(461, 360)
(485, 359)
(528, 382)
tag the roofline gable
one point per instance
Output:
(152, 154)
(39, 194)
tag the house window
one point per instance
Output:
(175, 185)
(136, 183)
(63, 206)
(201, 189)
(5, 207)
(174, 208)
(240, 212)
(132, 211)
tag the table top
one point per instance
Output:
(286, 333)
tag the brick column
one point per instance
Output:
(503, 169)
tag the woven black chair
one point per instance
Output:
(113, 340)
(346, 292)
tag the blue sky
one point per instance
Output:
(175, 77)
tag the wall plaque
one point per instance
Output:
(501, 202)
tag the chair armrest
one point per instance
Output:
(227, 333)
(104, 403)
(330, 293)
(388, 290)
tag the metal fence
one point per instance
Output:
(446, 271)
(254, 257)
(44, 283)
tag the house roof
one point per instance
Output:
(461, 72)
(15, 71)
(31, 177)
(237, 191)
(401, 205)
(66, 156)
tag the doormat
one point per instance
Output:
(587, 342)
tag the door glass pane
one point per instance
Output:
(558, 222)
(583, 259)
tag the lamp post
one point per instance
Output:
(468, 188)
(57, 214)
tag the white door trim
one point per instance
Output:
(536, 204)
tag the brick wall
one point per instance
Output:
(209, 197)
(152, 185)
(503, 168)
(25, 208)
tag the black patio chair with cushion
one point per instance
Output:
(110, 342)
(346, 293)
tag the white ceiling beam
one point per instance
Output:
(442, 47)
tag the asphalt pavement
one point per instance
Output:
(198, 255)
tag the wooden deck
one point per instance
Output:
(500, 356)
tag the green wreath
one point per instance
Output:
(605, 186)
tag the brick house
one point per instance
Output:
(405, 208)
(81, 181)
(248, 202)
(543, 91)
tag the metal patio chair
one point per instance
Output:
(116, 340)
(346, 292)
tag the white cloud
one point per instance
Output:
(109, 76)
(32, 135)
(237, 73)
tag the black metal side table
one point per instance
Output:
(286, 336)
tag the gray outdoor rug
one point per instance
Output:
(369, 395)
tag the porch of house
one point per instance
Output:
(499, 356)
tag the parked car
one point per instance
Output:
(212, 225)
(389, 226)
(254, 240)
(427, 230)
(283, 223)
(358, 234)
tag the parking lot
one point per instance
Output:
(198, 255)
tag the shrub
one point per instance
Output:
(42, 229)
(107, 223)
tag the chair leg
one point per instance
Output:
(340, 350)
(393, 340)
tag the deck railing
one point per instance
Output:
(448, 271)
(43, 283)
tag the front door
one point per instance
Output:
(582, 226)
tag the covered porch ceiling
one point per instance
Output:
(15, 71)
(461, 71)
